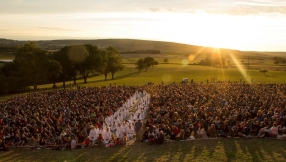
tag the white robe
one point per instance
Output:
(113, 127)
(130, 132)
(119, 132)
(92, 134)
(107, 136)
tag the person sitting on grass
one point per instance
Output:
(86, 142)
(80, 138)
(73, 143)
(33, 143)
(3, 146)
(145, 135)
(117, 141)
(246, 132)
(201, 133)
(160, 139)
(274, 130)
(112, 141)
(265, 132)
(23, 140)
(16, 140)
(124, 139)
(151, 137)
(175, 132)
(181, 135)
(130, 132)
(100, 140)
(107, 136)
(58, 143)
(212, 131)
(50, 140)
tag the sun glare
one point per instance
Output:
(239, 67)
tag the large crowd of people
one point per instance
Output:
(108, 116)
(70, 118)
(218, 110)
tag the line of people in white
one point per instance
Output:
(120, 122)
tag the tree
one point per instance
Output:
(278, 60)
(149, 62)
(166, 60)
(111, 61)
(63, 58)
(3, 84)
(263, 71)
(12, 80)
(32, 62)
(140, 65)
(91, 62)
(104, 64)
(79, 58)
(9, 69)
(114, 65)
(55, 70)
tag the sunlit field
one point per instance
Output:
(199, 150)
(175, 71)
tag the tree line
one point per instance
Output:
(33, 66)
(279, 60)
(145, 63)
(142, 52)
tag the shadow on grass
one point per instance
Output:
(271, 76)
(126, 75)
(230, 148)
(115, 78)
(198, 150)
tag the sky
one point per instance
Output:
(248, 25)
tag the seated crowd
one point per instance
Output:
(72, 118)
(108, 116)
(212, 110)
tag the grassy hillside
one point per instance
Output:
(133, 44)
(120, 44)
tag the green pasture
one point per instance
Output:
(214, 150)
(175, 72)
(168, 73)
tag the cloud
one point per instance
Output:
(257, 3)
(57, 29)
(246, 7)
(235, 7)
(155, 9)
(163, 9)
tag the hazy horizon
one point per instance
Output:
(247, 25)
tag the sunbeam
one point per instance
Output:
(239, 67)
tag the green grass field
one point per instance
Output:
(174, 73)
(199, 150)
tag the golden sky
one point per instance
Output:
(252, 25)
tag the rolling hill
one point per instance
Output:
(134, 44)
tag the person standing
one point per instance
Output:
(137, 128)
